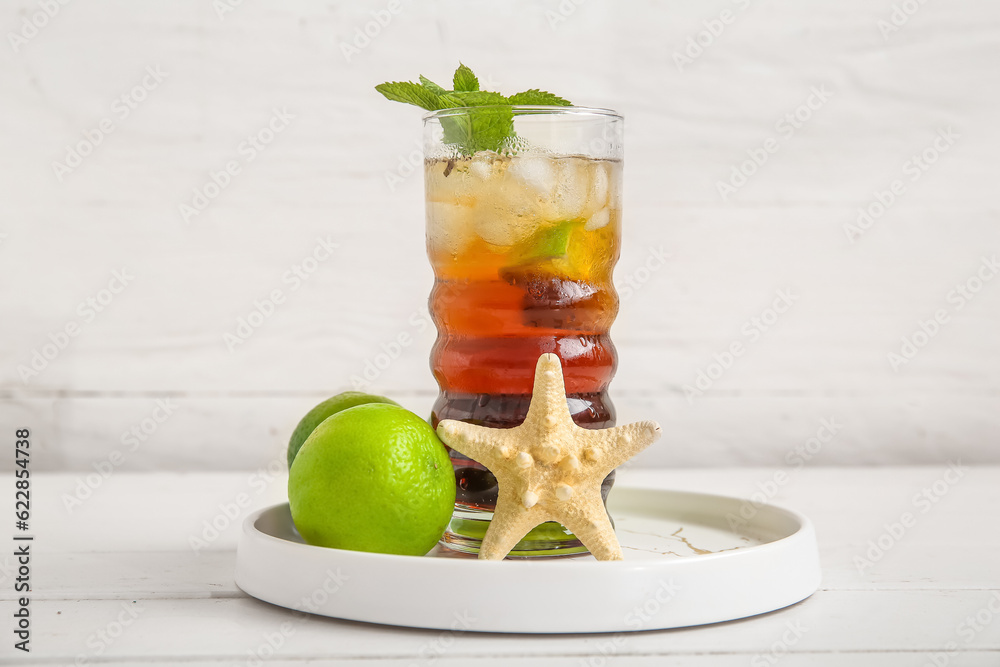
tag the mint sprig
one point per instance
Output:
(426, 83)
(488, 128)
(410, 93)
(538, 97)
(464, 79)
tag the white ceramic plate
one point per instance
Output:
(683, 566)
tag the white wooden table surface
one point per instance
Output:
(117, 581)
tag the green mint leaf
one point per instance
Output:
(538, 97)
(465, 80)
(486, 127)
(471, 98)
(410, 93)
(431, 86)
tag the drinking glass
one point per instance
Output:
(523, 241)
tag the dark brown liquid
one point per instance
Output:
(476, 486)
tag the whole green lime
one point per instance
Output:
(330, 406)
(374, 478)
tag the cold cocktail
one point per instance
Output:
(523, 241)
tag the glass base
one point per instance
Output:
(549, 540)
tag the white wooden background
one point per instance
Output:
(888, 95)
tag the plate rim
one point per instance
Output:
(713, 587)
(803, 530)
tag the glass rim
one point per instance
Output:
(528, 110)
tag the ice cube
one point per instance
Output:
(599, 186)
(535, 172)
(614, 170)
(598, 220)
(572, 188)
(487, 164)
(500, 227)
(456, 187)
(449, 228)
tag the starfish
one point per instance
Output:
(548, 468)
